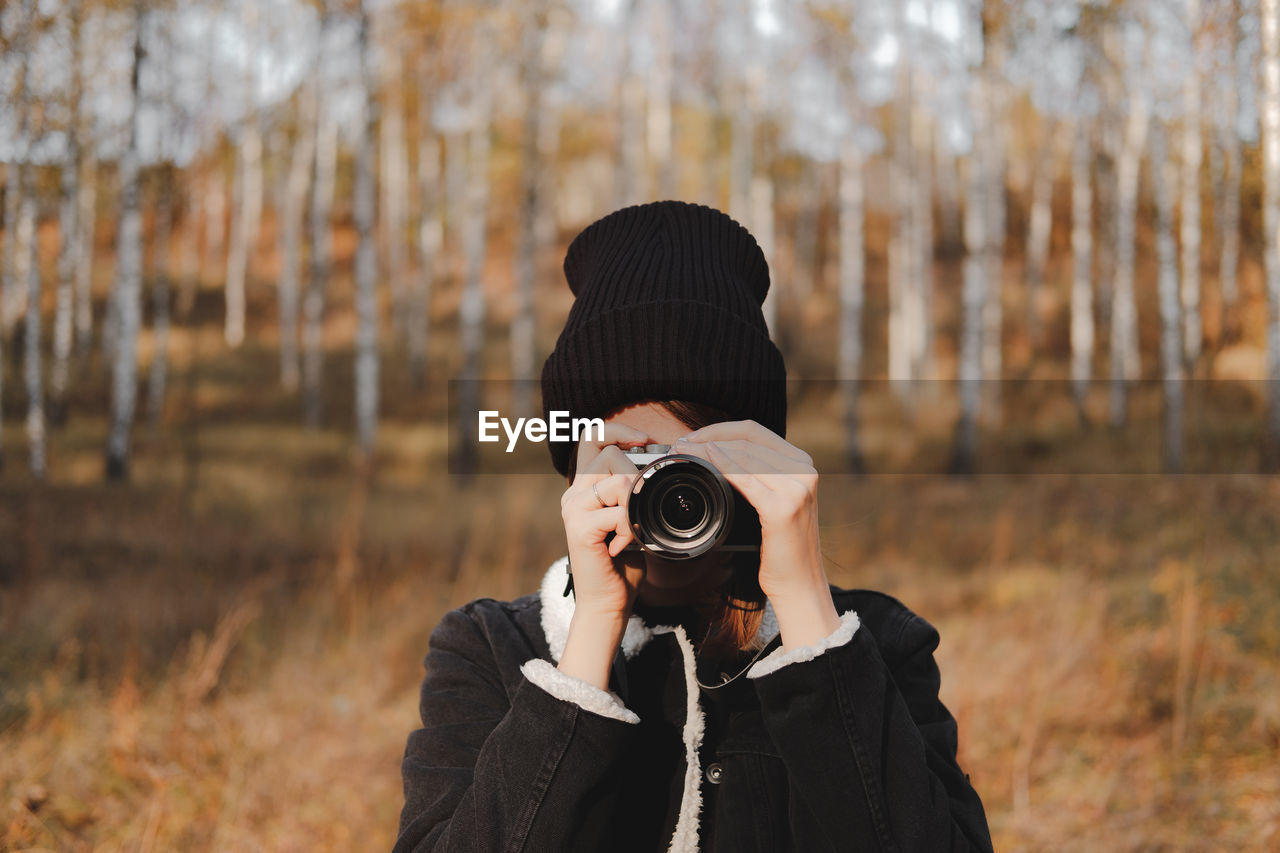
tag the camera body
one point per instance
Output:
(681, 507)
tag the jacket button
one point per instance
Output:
(715, 773)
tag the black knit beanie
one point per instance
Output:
(668, 307)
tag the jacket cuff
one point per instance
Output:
(780, 657)
(586, 696)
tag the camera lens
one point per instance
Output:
(680, 507)
(683, 508)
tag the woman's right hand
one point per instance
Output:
(604, 587)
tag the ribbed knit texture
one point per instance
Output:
(668, 307)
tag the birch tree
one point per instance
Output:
(1164, 177)
(128, 284)
(430, 242)
(294, 198)
(313, 300)
(15, 291)
(1191, 158)
(71, 238)
(852, 274)
(1225, 161)
(659, 125)
(394, 185)
(1082, 330)
(471, 308)
(630, 163)
(248, 199)
(86, 222)
(1039, 229)
(1270, 114)
(366, 271)
(528, 250)
(27, 274)
(974, 295)
(1125, 364)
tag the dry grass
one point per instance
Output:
(238, 670)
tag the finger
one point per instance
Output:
(614, 434)
(610, 460)
(752, 487)
(748, 431)
(623, 537)
(754, 457)
(612, 490)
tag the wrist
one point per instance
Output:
(805, 616)
(592, 643)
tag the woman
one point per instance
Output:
(718, 703)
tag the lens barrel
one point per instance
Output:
(680, 507)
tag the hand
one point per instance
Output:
(604, 587)
(779, 480)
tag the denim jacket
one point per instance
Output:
(843, 746)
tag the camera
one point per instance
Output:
(681, 506)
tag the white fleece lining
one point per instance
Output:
(685, 838)
(586, 696)
(780, 657)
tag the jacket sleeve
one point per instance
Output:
(870, 749)
(489, 771)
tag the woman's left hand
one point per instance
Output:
(779, 480)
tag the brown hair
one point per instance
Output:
(733, 612)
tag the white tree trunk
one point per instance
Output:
(244, 231)
(1270, 109)
(741, 157)
(629, 183)
(1039, 229)
(28, 274)
(313, 300)
(1082, 330)
(526, 254)
(804, 242)
(904, 277)
(993, 155)
(974, 296)
(87, 203)
(1164, 174)
(161, 289)
(1191, 195)
(430, 243)
(1228, 189)
(128, 285)
(762, 227)
(920, 310)
(852, 276)
(946, 180)
(471, 308)
(1125, 364)
(366, 263)
(68, 250)
(659, 122)
(292, 210)
(394, 187)
(68, 227)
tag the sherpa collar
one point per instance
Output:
(557, 611)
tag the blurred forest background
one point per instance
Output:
(246, 245)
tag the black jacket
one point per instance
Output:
(842, 749)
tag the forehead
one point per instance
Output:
(652, 419)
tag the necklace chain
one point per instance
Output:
(727, 681)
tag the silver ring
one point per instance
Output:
(596, 492)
